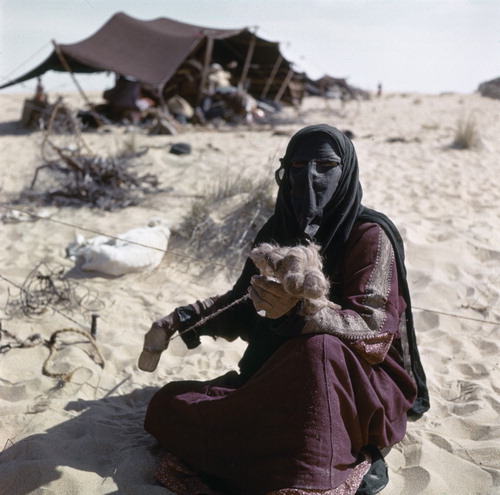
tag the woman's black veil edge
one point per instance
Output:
(422, 403)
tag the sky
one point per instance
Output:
(423, 46)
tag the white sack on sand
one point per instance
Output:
(137, 250)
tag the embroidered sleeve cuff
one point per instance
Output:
(370, 344)
(373, 349)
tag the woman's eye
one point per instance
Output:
(318, 163)
(328, 164)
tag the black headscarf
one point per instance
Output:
(338, 218)
(340, 212)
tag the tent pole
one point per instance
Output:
(287, 79)
(206, 62)
(161, 96)
(241, 84)
(66, 66)
(271, 77)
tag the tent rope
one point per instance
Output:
(7, 77)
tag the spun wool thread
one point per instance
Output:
(300, 271)
(298, 268)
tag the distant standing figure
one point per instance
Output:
(379, 90)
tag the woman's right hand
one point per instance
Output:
(269, 295)
(157, 340)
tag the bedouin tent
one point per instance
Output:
(154, 51)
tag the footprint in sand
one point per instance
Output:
(474, 370)
(487, 347)
(463, 391)
(416, 479)
(466, 409)
(484, 253)
(440, 442)
(427, 320)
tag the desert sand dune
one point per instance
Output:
(85, 436)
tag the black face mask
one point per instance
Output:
(322, 203)
(312, 187)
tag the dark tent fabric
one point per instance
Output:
(152, 51)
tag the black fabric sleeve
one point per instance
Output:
(231, 323)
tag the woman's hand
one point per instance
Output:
(268, 295)
(157, 340)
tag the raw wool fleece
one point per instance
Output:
(299, 269)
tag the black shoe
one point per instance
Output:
(377, 477)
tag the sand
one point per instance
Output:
(85, 436)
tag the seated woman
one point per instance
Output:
(318, 391)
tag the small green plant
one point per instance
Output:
(467, 135)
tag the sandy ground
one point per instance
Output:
(85, 436)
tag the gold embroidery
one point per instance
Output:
(374, 316)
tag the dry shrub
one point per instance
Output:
(78, 179)
(222, 224)
(467, 135)
(72, 175)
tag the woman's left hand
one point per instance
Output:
(268, 295)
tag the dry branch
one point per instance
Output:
(75, 176)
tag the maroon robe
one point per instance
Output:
(300, 412)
